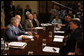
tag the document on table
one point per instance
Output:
(51, 49)
(58, 31)
(28, 36)
(38, 27)
(20, 45)
(58, 36)
(47, 24)
(16, 43)
(58, 40)
(57, 28)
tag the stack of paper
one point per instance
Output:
(58, 31)
(51, 49)
(49, 24)
(20, 45)
(44, 24)
(58, 40)
(38, 27)
(57, 36)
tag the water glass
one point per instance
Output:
(50, 34)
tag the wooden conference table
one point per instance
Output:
(36, 45)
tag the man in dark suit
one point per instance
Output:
(20, 25)
(75, 35)
(19, 10)
(28, 23)
(67, 27)
(9, 10)
(35, 20)
(13, 33)
(27, 11)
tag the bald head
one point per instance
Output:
(18, 17)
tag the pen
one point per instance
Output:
(54, 49)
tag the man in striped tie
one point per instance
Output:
(28, 23)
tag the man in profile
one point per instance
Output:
(13, 33)
(20, 25)
(28, 23)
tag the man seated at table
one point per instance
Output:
(35, 20)
(75, 35)
(28, 23)
(20, 25)
(13, 33)
(68, 19)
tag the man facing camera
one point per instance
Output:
(35, 20)
(13, 33)
(75, 35)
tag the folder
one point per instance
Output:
(38, 27)
(58, 40)
(51, 49)
(58, 36)
(58, 31)
(20, 45)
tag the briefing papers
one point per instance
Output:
(51, 49)
(20, 45)
(38, 27)
(47, 24)
(58, 38)
(58, 31)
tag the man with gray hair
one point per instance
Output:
(20, 25)
(13, 33)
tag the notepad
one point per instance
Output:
(57, 36)
(20, 45)
(51, 49)
(58, 31)
(49, 24)
(38, 27)
(58, 40)
(44, 24)
(57, 28)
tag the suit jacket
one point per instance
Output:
(12, 33)
(67, 28)
(34, 23)
(20, 27)
(27, 25)
(71, 42)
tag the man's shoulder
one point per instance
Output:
(9, 26)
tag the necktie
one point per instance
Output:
(31, 24)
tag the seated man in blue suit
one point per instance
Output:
(13, 33)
